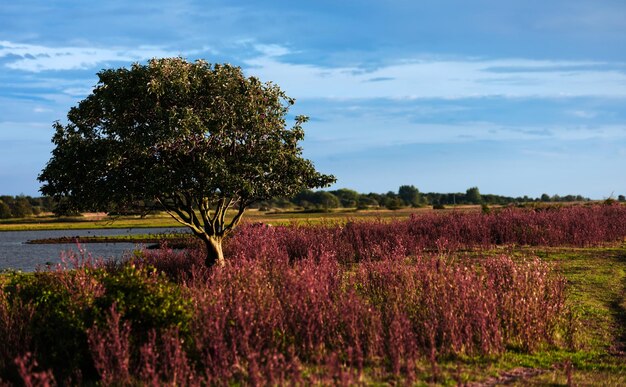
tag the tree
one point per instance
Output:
(366, 202)
(349, 198)
(198, 139)
(20, 207)
(391, 201)
(472, 195)
(5, 210)
(316, 200)
(410, 195)
(326, 200)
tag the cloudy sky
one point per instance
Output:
(517, 97)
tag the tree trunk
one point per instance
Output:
(214, 254)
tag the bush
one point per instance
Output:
(145, 298)
(65, 304)
(58, 324)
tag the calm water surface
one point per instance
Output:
(16, 254)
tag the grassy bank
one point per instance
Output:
(100, 221)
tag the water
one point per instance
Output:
(16, 254)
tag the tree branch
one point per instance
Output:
(203, 206)
(236, 218)
(180, 217)
(222, 219)
(192, 213)
(218, 219)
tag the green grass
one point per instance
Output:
(597, 297)
(77, 223)
(597, 291)
(97, 221)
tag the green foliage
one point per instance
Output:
(391, 201)
(58, 326)
(5, 210)
(64, 207)
(146, 299)
(175, 130)
(194, 137)
(349, 198)
(21, 206)
(472, 195)
(67, 304)
(318, 200)
(366, 202)
(410, 195)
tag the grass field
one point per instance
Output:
(100, 220)
(597, 295)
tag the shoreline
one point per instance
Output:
(172, 240)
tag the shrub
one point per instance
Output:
(57, 326)
(15, 317)
(145, 298)
(49, 313)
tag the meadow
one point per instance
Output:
(160, 220)
(527, 296)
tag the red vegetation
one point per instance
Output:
(577, 226)
(328, 304)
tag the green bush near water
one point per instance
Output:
(66, 306)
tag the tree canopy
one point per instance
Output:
(410, 195)
(197, 138)
(472, 195)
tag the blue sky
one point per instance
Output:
(516, 97)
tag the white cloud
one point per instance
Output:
(35, 58)
(443, 78)
(373, 131)
(77, 91)
(271, 50)
(425, 77)
(583, 113)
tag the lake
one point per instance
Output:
(16, 254)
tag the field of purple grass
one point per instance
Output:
(358, 302)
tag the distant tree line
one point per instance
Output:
(407, 196)
(24, 206)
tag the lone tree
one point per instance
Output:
(410, 195)
(198, 139)
(472, 195)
